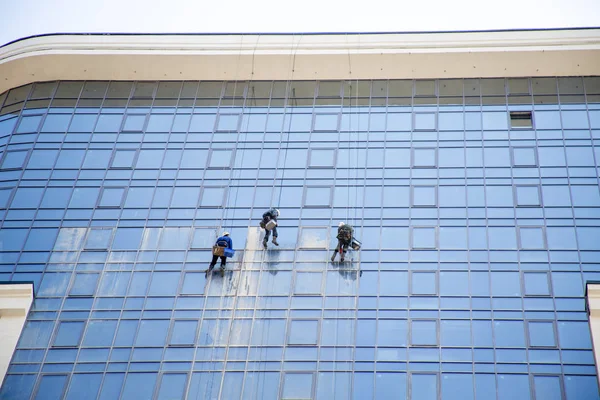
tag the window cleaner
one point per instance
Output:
(269, 223)
(223, 248)
(345, 237)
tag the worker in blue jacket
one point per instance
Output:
(223, 241)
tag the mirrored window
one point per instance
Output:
(532, 238)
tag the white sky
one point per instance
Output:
(20, 18)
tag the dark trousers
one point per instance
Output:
(268, 233)
(214, 261)
(341, 245)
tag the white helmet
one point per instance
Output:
(277, 212)
(225, 233)
(340, 224)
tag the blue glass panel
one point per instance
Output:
(100, 333)
(298, 386)
(392, 332)
(42, 159)
(139, 386)
(390, 385)
(334, 385)
(574, 335)
(205, 386)
(56, 123)
(457, 386)
(261, 385)
(126, 333)
(69, 333)
(56, 198)
(82, 123)
(581, 387)
(183, 333)
(114, 284)
(541, 333)
(84, 386)
(70, 159)
(172, 386)
(423, 333)
(109, 123)
(41, 239)
(51, 387)
(27, 198)
(54, 284)
(536, 283)
(12, 239)
(127, 238)
(111, 387)
(424, 387)
(84, 285)
(152, 333)
(455, 333)
(509, 333)
(513, 387)
(485, 386)
(17, 386)
(305, 332)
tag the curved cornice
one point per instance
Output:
(334, 56)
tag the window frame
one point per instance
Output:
(123, 197)
(218, 120)
(114, 154)
(528, 335)
(436, 239)
(516, 196)
(549, 282)
(334, 160)
(519, 116)
(57, 329)
(316, 114)
(435, 120)
(212, 153)
(124, 121)
(520, 242)
(223, 200)
(412, 196)
(513, 159)
(435, 158)
(25, 160)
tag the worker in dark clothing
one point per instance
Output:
(270, 215)
(344, 237)
(225, 242)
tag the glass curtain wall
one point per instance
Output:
(476, 201)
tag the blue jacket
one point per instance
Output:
(226, 239)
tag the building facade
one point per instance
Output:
(476, 199)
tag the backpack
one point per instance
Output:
(345, 233)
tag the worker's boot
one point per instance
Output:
(210, 268)
(275, 241)
(222, 270)
(265, 243)
(333, 256)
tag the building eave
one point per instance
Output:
(300, 57)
